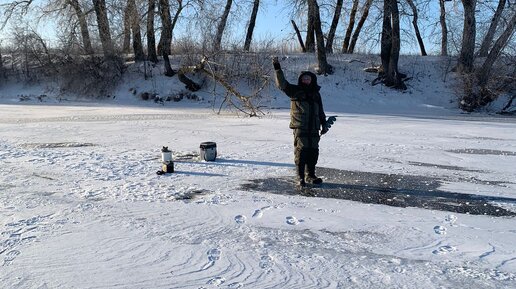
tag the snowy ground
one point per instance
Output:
(81, 204)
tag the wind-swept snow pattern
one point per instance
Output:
(83, 207)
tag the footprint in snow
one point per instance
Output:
(235, 285)
(9, 257)
(266, 262)
(240, 219)
(11, 241)
(214, 254)
(292, 220)
(444, 250)
(33, 220)
(451, 219)
(217, 281)
(258, 213)
(440, 230)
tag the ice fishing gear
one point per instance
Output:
(166, 155)
(167, 167)
(208, 151)
(167, 163)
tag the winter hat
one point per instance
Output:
(313, 84)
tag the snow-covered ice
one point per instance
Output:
(81, 204)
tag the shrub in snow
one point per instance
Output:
(90, 76)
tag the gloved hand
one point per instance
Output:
(275, 63)
(324, 129)
(327, 124)
(331, 120)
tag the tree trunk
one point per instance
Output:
(250, 28)
(393, 75)
(310, 30)
(444, 29)
(166, 62)
(2, 75)
(324, 67)
(165, 39)
(333, 26)
(467, 52)
(217, 44)
(351, 25)
(485, 71)
(83, 24)
(390, 45)
(137, 35)
(126, 45)
(416, 28)
(488, 39)
(299, 38)
(151, 40)
(386, 39)
(361, 22)
(479, 95)
(103, 24)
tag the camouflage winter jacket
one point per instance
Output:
(306, 109)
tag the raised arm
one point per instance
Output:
(281, 82)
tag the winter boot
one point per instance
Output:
(311, 178)
(300, 160)
(300, 169)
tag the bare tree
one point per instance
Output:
(126, 45)
(217, 44)
(324, 66)
(416, 27)
(310, 30)
(478, 94)
(14, 8)
(467, 52)
(103, 24)
(488, 39)
(351, 25)
(390, 45)
(361, 22)
(180, 8)
(485, 71)
(444, 29)
(333, 26)
(166, 30)
(151, 40)
(165, 41)
(83, 24)
(250, 28)
(132, 31)
(2, 73)
(299, 37)
(136, 32)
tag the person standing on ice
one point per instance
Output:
(307, 120)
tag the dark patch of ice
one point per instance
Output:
(387, 189)
(445, 167)
(483, 152)
(57, 145)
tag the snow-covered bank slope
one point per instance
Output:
(431, 88)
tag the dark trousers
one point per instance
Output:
(306, 152)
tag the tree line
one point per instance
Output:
(145, 29)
